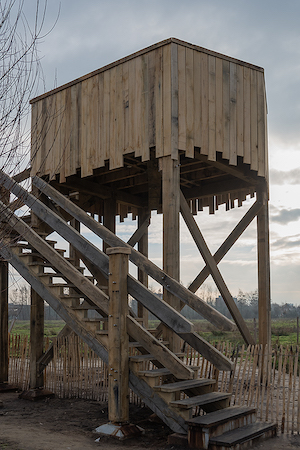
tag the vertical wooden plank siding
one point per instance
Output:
(182, 108)
(189, 86)
(233, 118)
(172, 97)
(226, 109)
(212, 108)
(239, 111)
(159, 104)
(204, 103)
(144, 115)
(197, 100)
(253, 120)
(151, 99)
(219, 105)
(167, 101)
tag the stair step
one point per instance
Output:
(244, 434)
(160, 372)
(184, 385)
(148, 357)
(221, 416)
(203, 428)
(201, 400)
(138, 345)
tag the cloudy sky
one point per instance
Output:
(93, 33)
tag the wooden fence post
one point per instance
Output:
(118, 364)
(3, 322)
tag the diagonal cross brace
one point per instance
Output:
(227, 244)
(215, 273)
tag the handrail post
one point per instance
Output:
(118, 342)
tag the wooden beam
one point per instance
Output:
(171, 235)
(227, 244)
(4, 322)
(214, 271)
(47, 357)
(263, 254)
(142, 235)
(36, 339)
(216, 188)
(19, 177)
(239, 172)
(137, 258)
(143, 225)
(118, 342)
(100, 191)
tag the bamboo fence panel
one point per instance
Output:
(266, 378)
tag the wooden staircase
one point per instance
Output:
(170, 388)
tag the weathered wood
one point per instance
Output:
(143, 223)
(47, 357)
(101, 300)
(160, 276)
(215, 273)
(161, 352)
(36, 339)
(118, 342)
(140, 232)
(227, 244)
(171, 235)
(3, 321)
(264, 297)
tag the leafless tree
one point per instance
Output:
(20, 74)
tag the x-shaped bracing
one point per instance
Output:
(212, 261)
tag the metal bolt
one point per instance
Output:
(115, 325)
(109, 273)
(114, 282)
(115, 379)
(116, 371)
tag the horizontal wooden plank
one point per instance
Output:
(183, 385)
(201, 400)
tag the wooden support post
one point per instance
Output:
(118, 363)
(263, 253)
(109, 217)
(171, 259)
(142, 276)
(36, 339)
(4, 322)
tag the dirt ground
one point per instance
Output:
(59, 424)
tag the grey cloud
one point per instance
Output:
(285, 216)
(287, 242)
(281, 177)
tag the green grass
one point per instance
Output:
(284, 331)
(52, 327)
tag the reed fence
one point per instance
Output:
(265, 378)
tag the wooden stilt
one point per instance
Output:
(263, 253)
(142, 276)
(118, 362)
(36, 339)
(171, 209)
(3, 321)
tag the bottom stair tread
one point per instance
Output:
(220, 416)
(243, 434)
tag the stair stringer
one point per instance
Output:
(140, 387)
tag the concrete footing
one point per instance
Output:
(119, 431)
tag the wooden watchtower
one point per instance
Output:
(173, 128)
(172, 118)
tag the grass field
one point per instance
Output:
(284, 331)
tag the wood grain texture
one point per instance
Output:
(172, 96)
